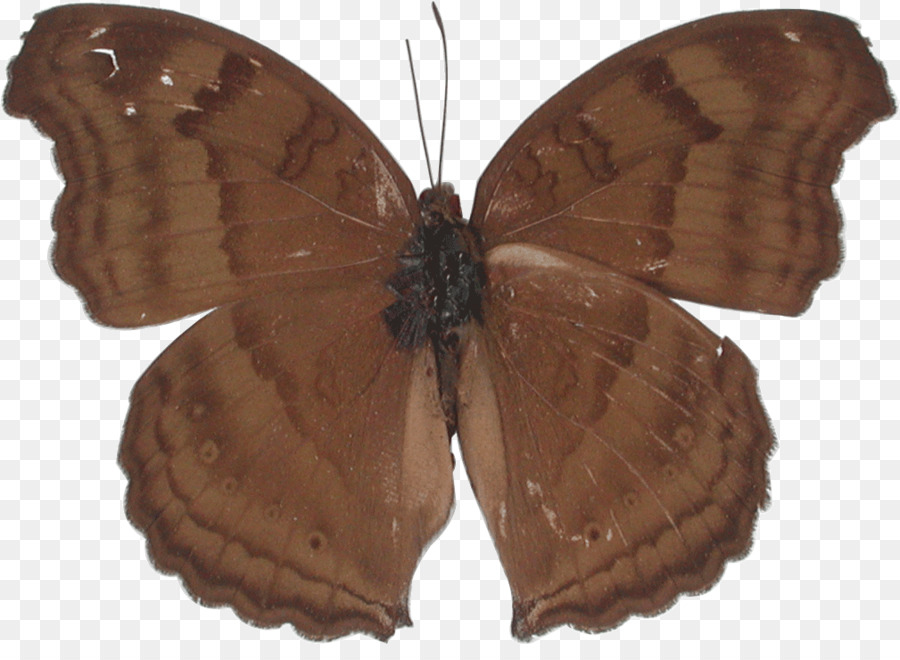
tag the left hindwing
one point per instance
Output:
(286, 459)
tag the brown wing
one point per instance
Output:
(700, 160)
(617, 447)
(200, 167)
(287, 460)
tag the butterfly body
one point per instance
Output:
(438, 287)
(439, 282)
(289, 455)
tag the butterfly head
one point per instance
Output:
(440, 204)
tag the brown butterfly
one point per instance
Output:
(289, 454)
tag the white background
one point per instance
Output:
(823, 577)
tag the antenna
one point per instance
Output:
(437, 17)
(412, 72)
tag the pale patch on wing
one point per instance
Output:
(387, 197)
(519, 254)
(109, 52)
(618, 527)
(655, 266)
(535, 490)
(510, 204)
(553, 520)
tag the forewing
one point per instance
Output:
(616, 446)
(200, 167)
(286, 459)
(699, 160)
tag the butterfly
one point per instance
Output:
(289, 454)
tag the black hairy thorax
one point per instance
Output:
(438, 286)
(441, 276)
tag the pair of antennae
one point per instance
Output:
(437, 17)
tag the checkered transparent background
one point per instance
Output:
(823, 577)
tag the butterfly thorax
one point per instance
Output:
(439, 281)
(440, 277)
